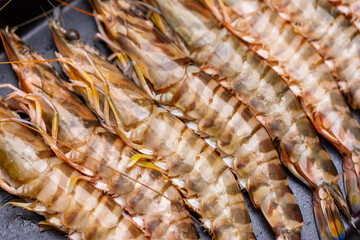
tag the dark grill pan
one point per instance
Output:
(16, 223)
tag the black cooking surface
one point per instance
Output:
(16, 223)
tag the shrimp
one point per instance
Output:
(159, 210)
(350, 8)
(306, 75)
(333, 36)
(176, 83)
(257, 85)
(29, 169)
(209, 188)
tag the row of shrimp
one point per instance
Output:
(208, 187)
(175, 77)
(77, 138)
(222, 120)
(75, 126)
(175, 54)
(116, 165)
(246, 147)
(306, 74)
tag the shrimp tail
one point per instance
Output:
(352, 183)
(327, 201)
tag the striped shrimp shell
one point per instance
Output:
(224, 121)
(306, 74)
(333, 35)
(350, 8)
(257, 85)
(158, 210)
(209, 187)
(29, 169)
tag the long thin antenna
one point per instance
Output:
(5, 5)
(57, 14)
(77, 9)
(53, 6)
(34, 19)
(44, 14)
(37, 61)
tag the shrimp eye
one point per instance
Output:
(72, 34)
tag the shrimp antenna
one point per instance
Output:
(45, 13)
(57, 13)
(31, 20)
(5, 5)
(148, 6)
(37, 61)
(75, 8)
(5, 43)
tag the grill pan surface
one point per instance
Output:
(16, 223)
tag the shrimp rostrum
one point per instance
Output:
(29, 169)
(306, 74)
(170, 78)
(267, 95)
(195, 168)
(151, 201)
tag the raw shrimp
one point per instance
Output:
(350, 8)
(174, 82)
(332, 34)
(91, 149)
(305, 73)
(29, 169)
(257, 85)
(208, 186)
